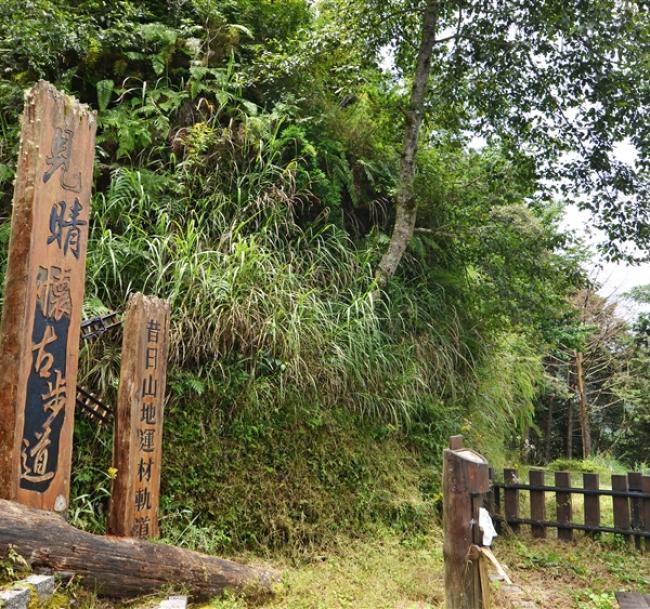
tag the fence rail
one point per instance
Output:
(630, 504)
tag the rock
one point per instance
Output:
(43, 585)
(17, 598)
(19, 595)
(174, 602)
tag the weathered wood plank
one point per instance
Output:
(537, 502)
(44, 290)
(137, 448)
(591, 502)
(635, 483)
(645, 485)
(621, 505)
(564, 505)
(465, 481)
(511, 499)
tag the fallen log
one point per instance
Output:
(121, 567)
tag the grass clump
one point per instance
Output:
(584, 574)
(387, 572)
(598, 464)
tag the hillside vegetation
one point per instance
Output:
(247, 163)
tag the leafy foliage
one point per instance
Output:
(246, 163)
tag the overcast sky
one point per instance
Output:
(616, 279)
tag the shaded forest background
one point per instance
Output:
(246, 166)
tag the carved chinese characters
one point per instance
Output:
(137, 448)
(44, 298)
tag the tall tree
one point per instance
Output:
(557, 83)
(405, 202)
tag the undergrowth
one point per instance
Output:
(303, 402)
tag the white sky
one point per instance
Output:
(616, 278)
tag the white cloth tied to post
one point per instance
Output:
(487, 526)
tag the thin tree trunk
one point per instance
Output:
(405, 207)
(569, 431)
(585, 432)
(549, 431)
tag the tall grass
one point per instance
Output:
(299, 405)
(283, 306)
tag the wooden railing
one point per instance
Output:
(630, 496)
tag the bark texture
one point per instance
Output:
(405, 207)
(585, 431)
(119, 567)
(465, 480)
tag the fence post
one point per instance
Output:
(497, 513)
(537, 502)
(592, 502)
(645, 485)
(635, 483)
(456, 442)
(564, 506)
(489, 498)
(621, 504)
(465, 481)
(511, 500)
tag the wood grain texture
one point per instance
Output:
(635, 483)
(537, 502)
(591, 502)
(39, 332)
(117, 567)
(621, 505)
(465, 480)
(511, 499)
(645, 485)
(564, 505)
(137, 448)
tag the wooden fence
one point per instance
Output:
(630, 496)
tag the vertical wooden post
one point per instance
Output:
(564, 506)
(635, 483)
(465, 480)
(621, 504)
(456, 442)
(592, 502)
(44, 292)
(489, 498)
(511, 499)
(537, 502)
(645, 485)
(497, 510)
(137, 447)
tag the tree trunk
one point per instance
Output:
(549, 431)
(569, 431)
(585, 432)
(405, 208)
(120, 567)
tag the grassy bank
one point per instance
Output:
(403, 571)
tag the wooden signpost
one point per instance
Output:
(137, 448)
(465, 481)
(39, 333)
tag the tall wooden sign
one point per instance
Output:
(137, 448)
(39, 333)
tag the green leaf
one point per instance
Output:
(158, 64)
(104, 93)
